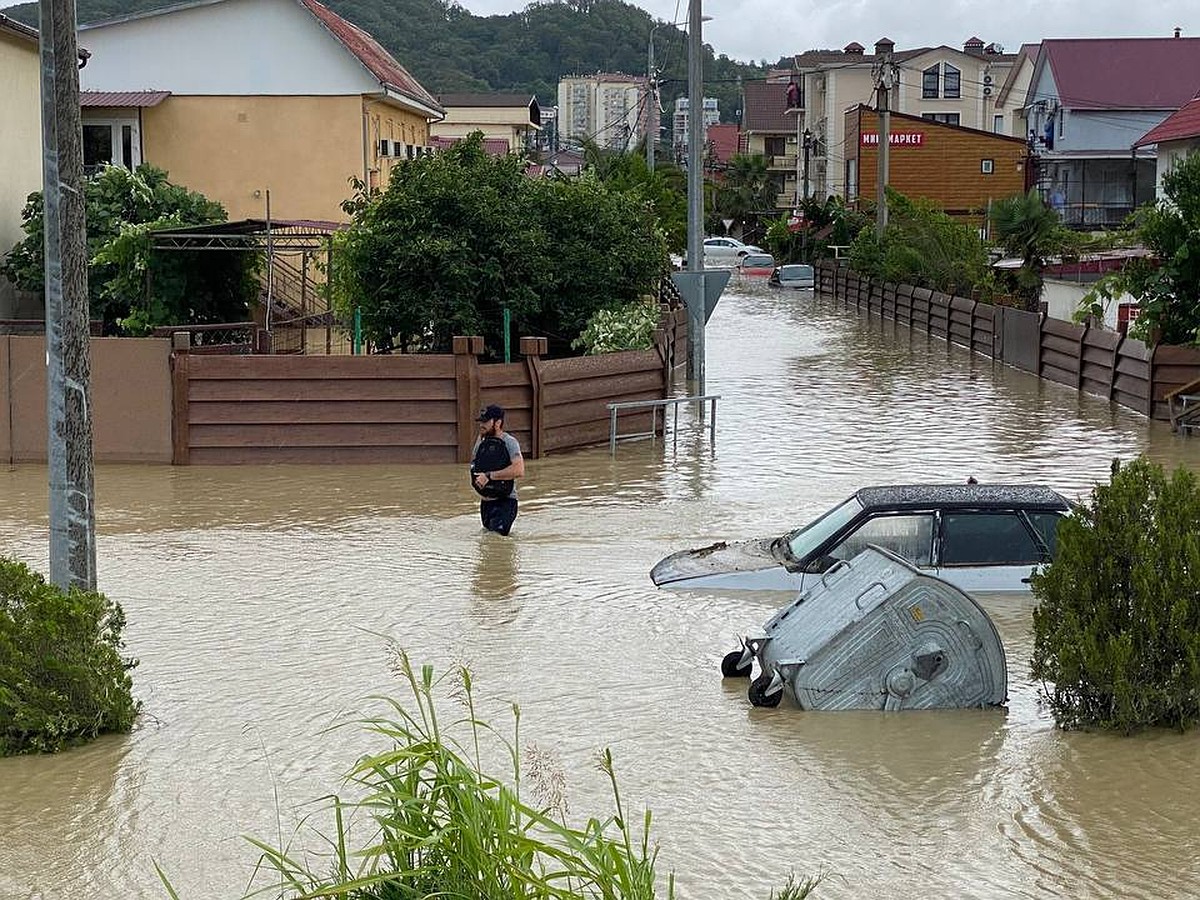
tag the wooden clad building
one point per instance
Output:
(959, 169)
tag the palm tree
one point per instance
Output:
(745, 189)
(1027, 227)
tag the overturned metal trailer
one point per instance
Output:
(875, 633)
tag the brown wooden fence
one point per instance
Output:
(1090, 359)
(406, 409)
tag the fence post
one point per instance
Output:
(533, 349)
(1087, 326)
(466, 391)
(1150, 382)
(263, 342)
(1115, 366)
(180, 361)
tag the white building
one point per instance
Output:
(679, 122)
(611, 109)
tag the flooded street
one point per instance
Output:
(257, 601)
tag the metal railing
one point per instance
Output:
(654, 406)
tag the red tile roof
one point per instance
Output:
(764, 107)
(724, 140)
(371, 54)
(1180, 126)
(1124, 73)
(130, 99)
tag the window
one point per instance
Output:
(987, 539)
(110, 142)
(987, 166)
(950, 81)
(909, 535)
(944, 118)
(930, 83)
(1046, 525)
(998, 124)
(851, 179)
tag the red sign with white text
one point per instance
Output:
(895, 139)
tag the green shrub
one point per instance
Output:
(1117, 626)
(63, 680)
(629, 327)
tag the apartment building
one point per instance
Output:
(611, 109)
(941, 84)
(679, 123)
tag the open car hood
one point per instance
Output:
(716, 559)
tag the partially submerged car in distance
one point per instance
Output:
(756, 265)
(793, 275)
(978, 537)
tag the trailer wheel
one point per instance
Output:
(732, 667)
(758, 693)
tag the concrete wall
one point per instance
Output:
(131, 399)
(20, 133)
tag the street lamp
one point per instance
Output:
(653, 117)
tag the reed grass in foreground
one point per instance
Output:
(436, 826)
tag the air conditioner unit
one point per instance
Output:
(791, 139)
(987, 90)
(987, 79)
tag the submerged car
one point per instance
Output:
(758, 265)
(978, 537)
(793, 275)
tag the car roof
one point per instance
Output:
(959, 495)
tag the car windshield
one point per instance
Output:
(796, 545)
(795, 271)
(758, 260)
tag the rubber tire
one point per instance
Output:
(757, 693)
(730, 666)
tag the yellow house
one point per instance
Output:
(514, 119)
(243, 100)
(20, 135)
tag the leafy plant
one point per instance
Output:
(1166, 286)
(630, 327)
(745, 189)
(1117, 626)
(442, 827)
(63, 680)
(1025, 226)
(458, 237)
(130, 286)
(922, 246)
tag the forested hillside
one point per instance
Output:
(449, 49)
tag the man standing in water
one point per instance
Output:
(497, 463)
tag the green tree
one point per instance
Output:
(1026, 227)
(665, 188)
(458, 237)
(1166, 286)
(922, 246)
(63, 679)
(746, 188)
(130, 286)
(1117, 625)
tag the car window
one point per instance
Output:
(758, 260)
(909, 535)
(987, 539)
(1046, 525)
(803, 541)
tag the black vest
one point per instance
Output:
(491, 456)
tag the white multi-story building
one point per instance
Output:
(679, 122)
(611, 109)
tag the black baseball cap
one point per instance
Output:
(491, 412)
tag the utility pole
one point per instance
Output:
(652, 117)
(68, 359)
(885, 79)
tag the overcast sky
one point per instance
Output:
(750, 30)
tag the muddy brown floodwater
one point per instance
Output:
(256, 598)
